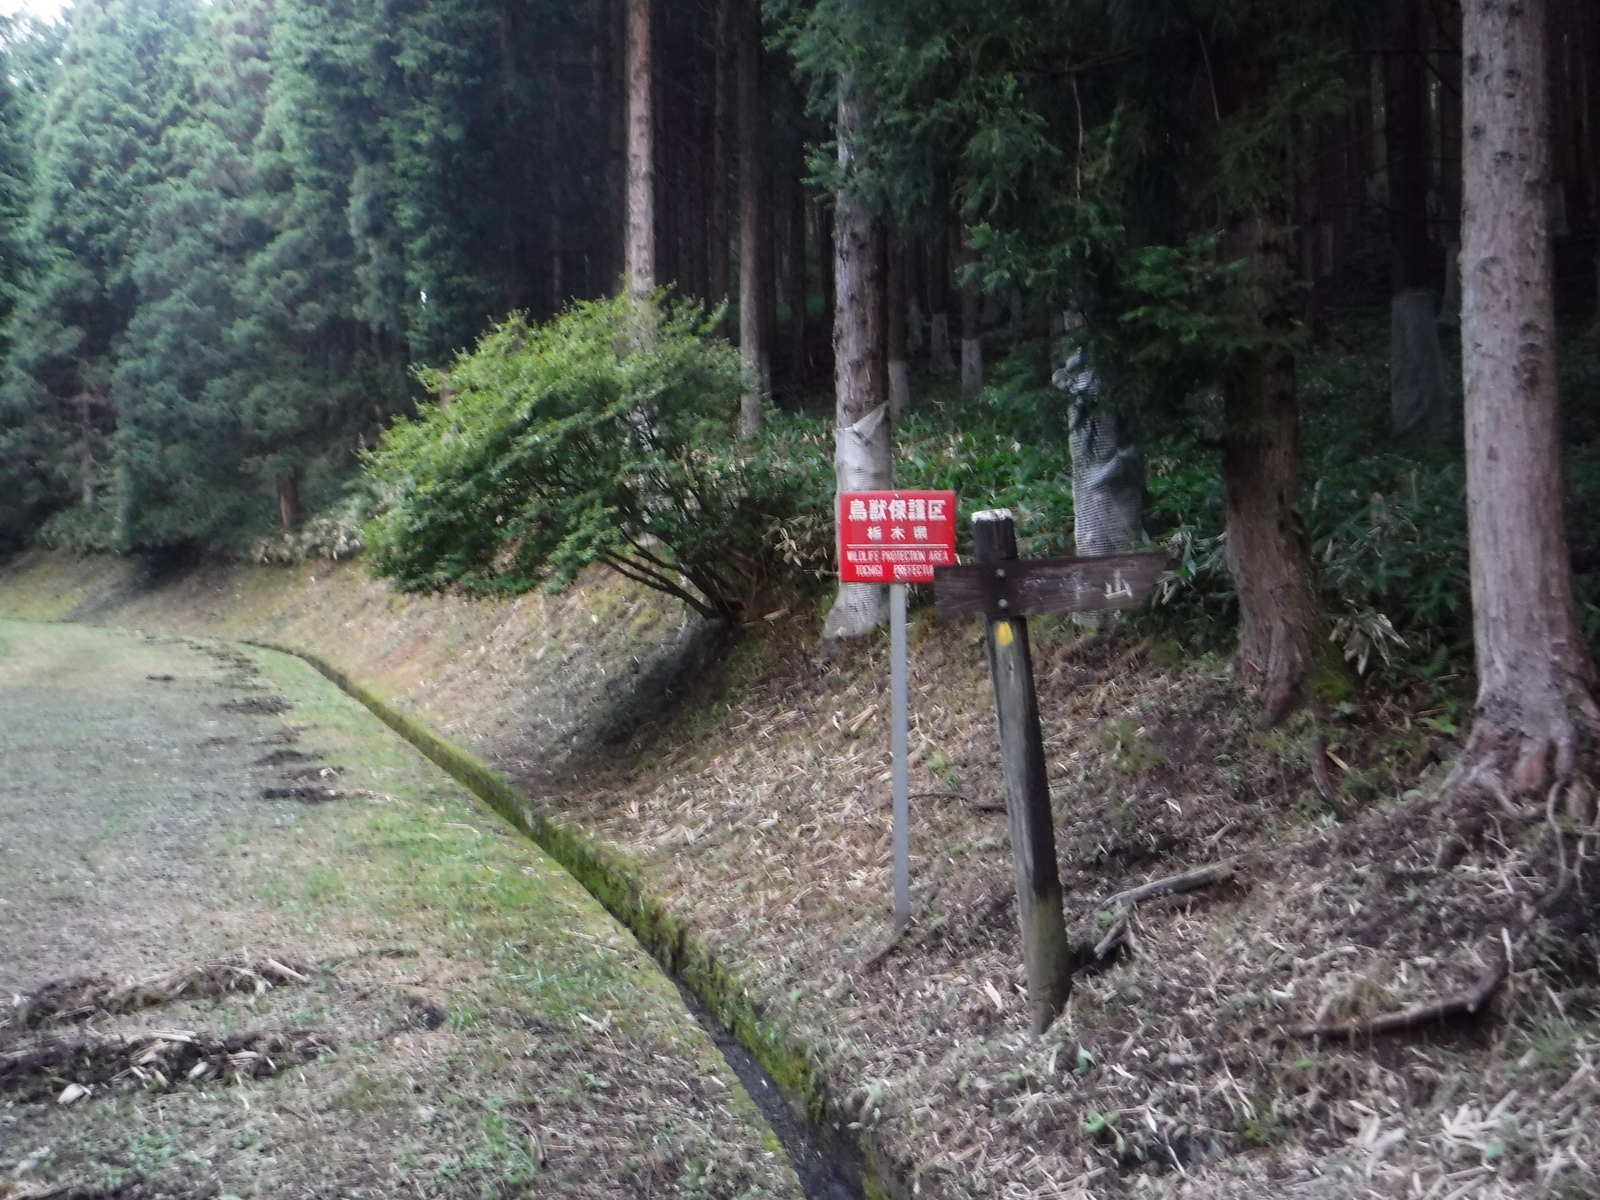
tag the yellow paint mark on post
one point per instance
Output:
(1002, 633)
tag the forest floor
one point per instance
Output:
(757, 806)
(255, 945)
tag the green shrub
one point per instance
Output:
(606, 436)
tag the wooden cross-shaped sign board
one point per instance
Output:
(1032, 587)
(1005, 590)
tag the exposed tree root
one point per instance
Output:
(1504, 774)
(1090, 948)
(1531, 778)
(1324, 781)
(1466, 1002)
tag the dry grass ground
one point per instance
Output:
(763, 809)
(254, 945)
(760, 808)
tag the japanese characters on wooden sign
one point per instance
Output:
(1032, 587)
(895, 537)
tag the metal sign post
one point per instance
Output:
(899, 735)
(897, 538)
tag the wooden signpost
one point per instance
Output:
(1006, 590)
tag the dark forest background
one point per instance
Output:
(231, 233)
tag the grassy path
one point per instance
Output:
(262, 947)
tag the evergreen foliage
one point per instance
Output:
(119, 87)
(27, 53)
(230, 232)
(180, 444)
(319, 360)
(603, 436)
(1097, 151)
(16, 177)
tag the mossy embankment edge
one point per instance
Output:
(667, 936)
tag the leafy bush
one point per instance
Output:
(603, 436)
(331, 535)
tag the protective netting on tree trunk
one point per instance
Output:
(862, 462)
(1418, 392)
(1107, 468)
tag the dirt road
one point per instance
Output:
(252, 944)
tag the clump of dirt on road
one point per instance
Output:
(72, 1069)
(86, 998)
(258, 706)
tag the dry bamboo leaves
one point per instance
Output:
(65, 1070)
(74, 1000)
(1468, 1001)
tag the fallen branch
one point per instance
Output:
(1117, 933)
(1088, 949)
(1187, 882)
(1324, 781)
(1459, 1004)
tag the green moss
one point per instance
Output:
(1167, 654)
(614, 882)
(1331, 680)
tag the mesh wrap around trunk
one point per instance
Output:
(1107, 469)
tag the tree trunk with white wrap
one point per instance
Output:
(863, 456)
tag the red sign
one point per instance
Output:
(895, 537)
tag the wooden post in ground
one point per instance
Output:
(1033, 842)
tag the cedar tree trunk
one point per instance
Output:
(899, 369)
(1447, 36)
(86, 451)
(288, 499)
(1418, 396)
(822, 219)
(863, 458)
(940, 361)
(1590, 78)
(799, 287)
(754, 282)
(971, 324)
(1279, 619)
(1536, 710)
(639, 252)
(717, 263)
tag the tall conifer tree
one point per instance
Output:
(179, 445)
(16, 186)
(120, 86)
(27, 63)
(320, 360)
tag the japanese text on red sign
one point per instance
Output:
(895, 537)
